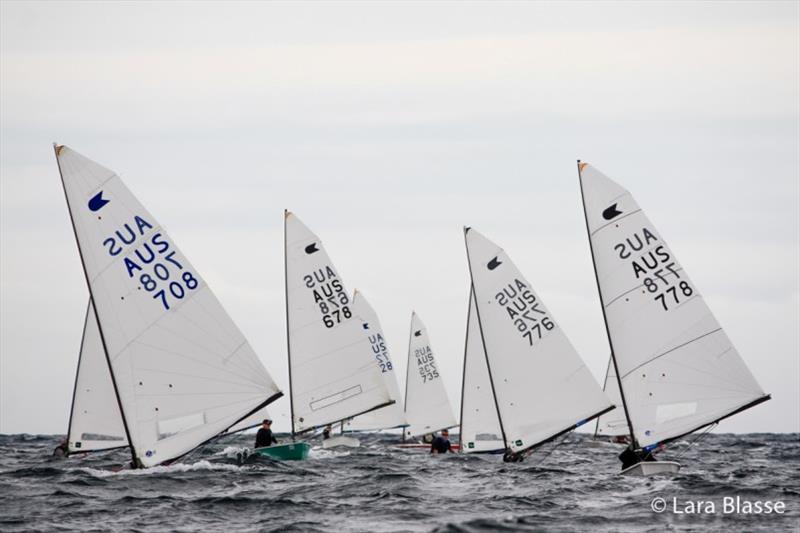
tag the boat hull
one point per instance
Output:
(652, 468)
(294, 451)
(341, 441)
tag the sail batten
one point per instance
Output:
(154, 312)
(332, 372)
(676, 367)
(531, 362)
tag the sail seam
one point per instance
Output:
(628, 373)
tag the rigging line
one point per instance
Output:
(559, 443)
(697, 439)
(628, 373)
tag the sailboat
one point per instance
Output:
(541, 387)
(391, 416)
(181, 371)
(612, 426)
(332, 372)
(677, 370)
(480, 430)
(427, 407)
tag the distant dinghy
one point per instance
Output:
(181, 371)
(391, 416)
(427, 407)
(333, 375)
(541, 387)
(676, 368)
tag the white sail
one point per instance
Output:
(480, 426)
(250, 422)
(613, 423)
(391, 416)
(331, 366)
(679, 369)
(542, 386)
(183, 370)
(427, 406)
(95, 421)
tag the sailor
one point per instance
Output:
(326, 433)
(61, 449)
(441, 444)
(630, 457)
(264, 437)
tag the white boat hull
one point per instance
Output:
(652, 468)
(340, 440)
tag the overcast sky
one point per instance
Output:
(387, 127)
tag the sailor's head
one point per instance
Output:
(266, 423)
(445, 433)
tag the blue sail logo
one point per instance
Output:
(97, 202)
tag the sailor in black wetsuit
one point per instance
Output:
(630, 457)
(264, 437)
(441, 444)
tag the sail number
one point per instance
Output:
(329, 296)
(655, 269)
(381, 355)
(168, 280)
(425, 364)
(524, 311)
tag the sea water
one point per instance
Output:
(567, 486)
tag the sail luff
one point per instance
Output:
(134, 462)
(603, 307)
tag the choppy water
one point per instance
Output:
(379, 488)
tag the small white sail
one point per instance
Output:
(184, 372)
(95, 421)
(391, 416)
(427, 406)
(331, 365)
(612, 424)
(679, 369)
(542, 386)
(480, 426)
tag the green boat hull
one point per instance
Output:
(294, 451)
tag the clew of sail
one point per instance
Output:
(427, 406)
(95, 423)
(612, 424)
(542, 386)
(332, 369)
(391, 416)
(181, 369)
(677, 367)
(480, 426)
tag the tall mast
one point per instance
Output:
(134, 461)
(634, 444)
(288, 339)
(483, 343)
